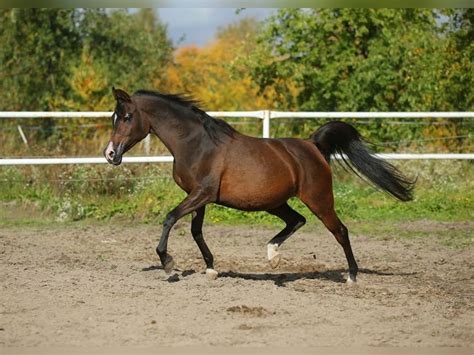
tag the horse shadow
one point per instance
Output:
(281, 279)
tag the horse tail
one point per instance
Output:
(342, 138)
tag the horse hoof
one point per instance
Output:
(168, 267)
(273, 255)
(211, 274)
(275, 261)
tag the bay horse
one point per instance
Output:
(213, 163)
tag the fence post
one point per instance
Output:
(22, 135)
(266, 124)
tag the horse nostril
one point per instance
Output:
(111, 154)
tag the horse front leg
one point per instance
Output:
(195, 200)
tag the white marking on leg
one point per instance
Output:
(272, 251)
(350, 280)
(273, 255)
(211, 274)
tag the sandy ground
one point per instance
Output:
(100, 286)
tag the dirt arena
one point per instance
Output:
(98, 285)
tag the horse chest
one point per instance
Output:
(183, 180)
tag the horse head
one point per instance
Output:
(128, 127)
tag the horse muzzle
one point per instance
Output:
(112, 154)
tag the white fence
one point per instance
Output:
(265, 115)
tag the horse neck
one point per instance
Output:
(177, 130)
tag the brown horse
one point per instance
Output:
(214, 163)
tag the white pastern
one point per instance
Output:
(211, 274)
(350, 281)
(273, 255)
(272, 251)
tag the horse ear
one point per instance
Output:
(121, 95)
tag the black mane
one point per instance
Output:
(214, 127)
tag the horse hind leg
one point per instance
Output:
(323, 208)
(294, 221)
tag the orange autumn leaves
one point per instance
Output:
(217, 75)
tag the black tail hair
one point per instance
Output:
(342, 138)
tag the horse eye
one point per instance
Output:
(128, 116)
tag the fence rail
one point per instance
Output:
(279, 114)
(265, 115)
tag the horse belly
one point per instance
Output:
(256, 191)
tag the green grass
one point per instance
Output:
(454, 234)
(146, 193)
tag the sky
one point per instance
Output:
(199, 25)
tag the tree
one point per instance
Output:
(215, 75)
(37, 48)
(353, 59)
(458, 79)
(360, 60)
(122, 49)
(48, 55)
(61, 59)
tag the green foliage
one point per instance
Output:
(38, 47)
(68, 59)
(147, 194)
(358, 59)
(53, 59)
(121, 49)
(458, 80)
(370, 60)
